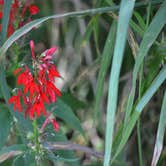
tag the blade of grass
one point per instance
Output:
(148, 14)
(160, 133)
(105, 62)
(136, 28)
(140, 20)
(5, 20)
(149, 37)
(151, 90)
(139, 138)
(161, 77)
(126, 9)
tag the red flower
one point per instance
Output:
(1, 2)
(15, 4)
(16, 101)
(53, 72)
(15, 12)
(36, 109)
(1, 15)
(33, 9)
(38, 88)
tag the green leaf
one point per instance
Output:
(5, 19)
(5, 124)
(72, 101)
(136, 28)
(10, 151)
(125, 14)
(105, 62)
(25, 159)
(160, 133)
(64, 112)
(18, 161)
(140, 20)
(151, 90)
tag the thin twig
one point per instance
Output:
(72, 146)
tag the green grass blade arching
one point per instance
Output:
(5, 19)
(161, 77)
(160, 133)
(149, 37)
(105, 62)
(126, 10)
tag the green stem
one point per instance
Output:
(37, 143)
(148, 14)
(139, 143)
(138, 122)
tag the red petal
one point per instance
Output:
(51, 51)
(32, 46)
(15, 72)
(10, 30)
(33, 9)
(1, 2)
(1, 15)
(55, 125)
(12, 99)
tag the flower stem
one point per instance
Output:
(36, 141)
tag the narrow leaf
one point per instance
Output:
(126, 10)
(105, 62)
(160, 133)
(64, 112)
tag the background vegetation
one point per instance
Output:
(112, 59)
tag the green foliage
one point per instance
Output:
(103, 30)
(5, 124)
(64, 112)
(5, 20)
